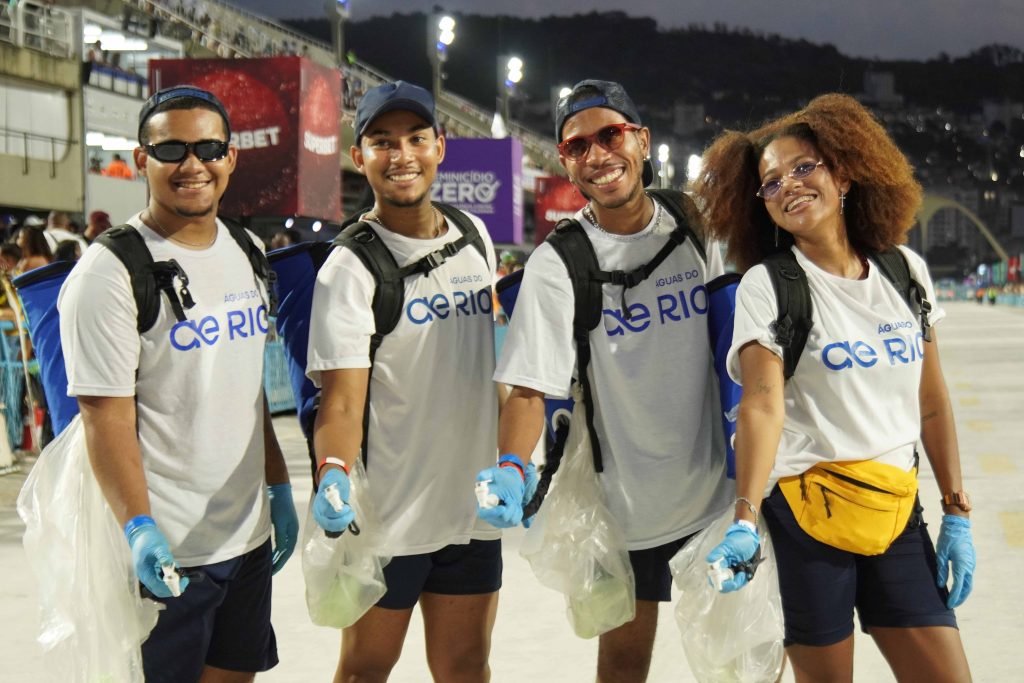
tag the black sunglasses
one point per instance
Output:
(173, 151)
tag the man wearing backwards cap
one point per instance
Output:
(432, 405)
(176, 423)
(651, 371)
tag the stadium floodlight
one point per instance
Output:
(440, 36)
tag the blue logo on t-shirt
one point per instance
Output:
(672, 308)
(425, 309)
(208, 330)
(902, 350)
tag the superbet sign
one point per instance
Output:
(285, 118)
(555, 199)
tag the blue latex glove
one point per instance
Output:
(508, 485)
(957, 547)
(150, 552)
(531, 488)
(324, 513)
(739, 545)
(285, 521)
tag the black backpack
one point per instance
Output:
(793, 296)
(297, 266)
(149, 278)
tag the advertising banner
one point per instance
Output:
(285, 118)
(556, 198)
(484, 177)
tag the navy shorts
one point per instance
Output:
(650, 569)
(222, 619)
(468, 569)
(821, 585)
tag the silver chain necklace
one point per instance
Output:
(437, 222)
(166, 235)
(588, 213)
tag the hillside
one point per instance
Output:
(739, 75)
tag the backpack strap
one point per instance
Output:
(148, 277)
(685, 211)
(571, 243)
(466, 226)
(257, 259)
(793, 296)
(893, 265)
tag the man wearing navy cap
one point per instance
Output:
(176, 423)
(655, 414)
(424, 397)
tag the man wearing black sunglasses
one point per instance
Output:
(654, 403)
(175, 419)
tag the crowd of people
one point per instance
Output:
(181, 442)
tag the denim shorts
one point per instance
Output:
(821, 585)
(468, 569)
(221, 619)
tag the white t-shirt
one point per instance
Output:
(198, 386)
(656, 411)
(854, 395)
(54, 236)
(433, 407)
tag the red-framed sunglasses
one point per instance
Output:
(609, 138)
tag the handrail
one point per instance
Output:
(39, 27)
(28, 135)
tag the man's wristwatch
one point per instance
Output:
(957, 498)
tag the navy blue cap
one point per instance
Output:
(607, 94)
(397, 96)
(178, 92)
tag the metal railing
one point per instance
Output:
(37, 27)
(30, 145)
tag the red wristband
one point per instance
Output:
(331, 461)
(512, 460)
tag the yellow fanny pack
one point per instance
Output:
(860, 506)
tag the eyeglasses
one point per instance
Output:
(799, 172)
(609, 138)
(173, 151)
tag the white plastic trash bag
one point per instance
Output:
(344, 575)
(729, 637)
(576, 546)
(93, 619)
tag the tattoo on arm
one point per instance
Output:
(929, 416)
(762, 388)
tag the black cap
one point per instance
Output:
(607, 94)
(178, 92)
(397, 96)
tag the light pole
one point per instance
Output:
(694, 166)
(510, 72)
(557, 93)
(663, 154)
(440, 35)
(337, 13)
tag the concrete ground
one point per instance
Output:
(983, 356)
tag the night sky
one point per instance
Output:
(888, 29)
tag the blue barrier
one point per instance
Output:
(12, 382)
(276, 380)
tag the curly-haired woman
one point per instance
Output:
(827, 184)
